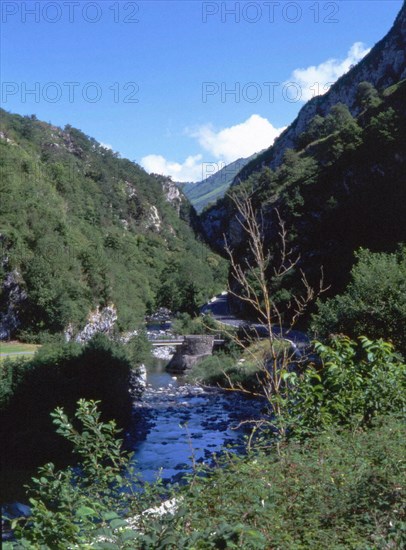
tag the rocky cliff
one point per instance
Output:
(341, 187)
(383, 66)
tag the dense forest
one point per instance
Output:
(82, 228)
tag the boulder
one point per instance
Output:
(194, 349)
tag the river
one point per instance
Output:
(175, 421)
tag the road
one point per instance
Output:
(220, 310)
(10, 353)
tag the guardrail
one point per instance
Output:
(178, 342)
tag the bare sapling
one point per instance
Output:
(250, 283)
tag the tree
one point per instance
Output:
(315, 130)
(367, 95)
(374, 303)
(251, 279)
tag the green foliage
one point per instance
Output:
(367, 95)
(215, 369)
(384, 127)
(12, 373)
(340, 490)
(58, 376)
(374, 302)
(340, 189)
(139, 348)
(184, 286)
(338, 120)
(354, 384)
(232, 368)
(76, 226)
(185, 324)
(78, 506)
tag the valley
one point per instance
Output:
(233, 343)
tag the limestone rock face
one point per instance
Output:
(154, 222)
(193, 350)
(13, 296)
(172, 194)
(100, 320)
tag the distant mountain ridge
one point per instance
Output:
(214, 187)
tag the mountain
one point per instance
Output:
(383, 66)
(214, 187)
(83, 231)
(336, 176)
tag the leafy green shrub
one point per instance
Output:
(367, 95)
(213, 370)
(58, 376)
(354, 384)
(139, 348)
(12, 373)
(78, 505)
(342, 489)
(374, 302)
(186, 324)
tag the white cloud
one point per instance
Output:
(316, 80)
(189, 170)
(224, 146)
(241, 140)
(106, 145)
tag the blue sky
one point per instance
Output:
(175, 85)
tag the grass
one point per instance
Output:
(221, 368)
(12, 350)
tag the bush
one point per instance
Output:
(355, 383)
(340, 490)
(186, 324)
(12, 372)
(213, 370)
(374, 302)
(59, 376)
(75, 506)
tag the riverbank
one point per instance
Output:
(240, 368)
(331, 491)
(325, 469)
(334, 477)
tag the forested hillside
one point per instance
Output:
(383, 66)
(335, 176)
(342, 188)
(81, 227)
